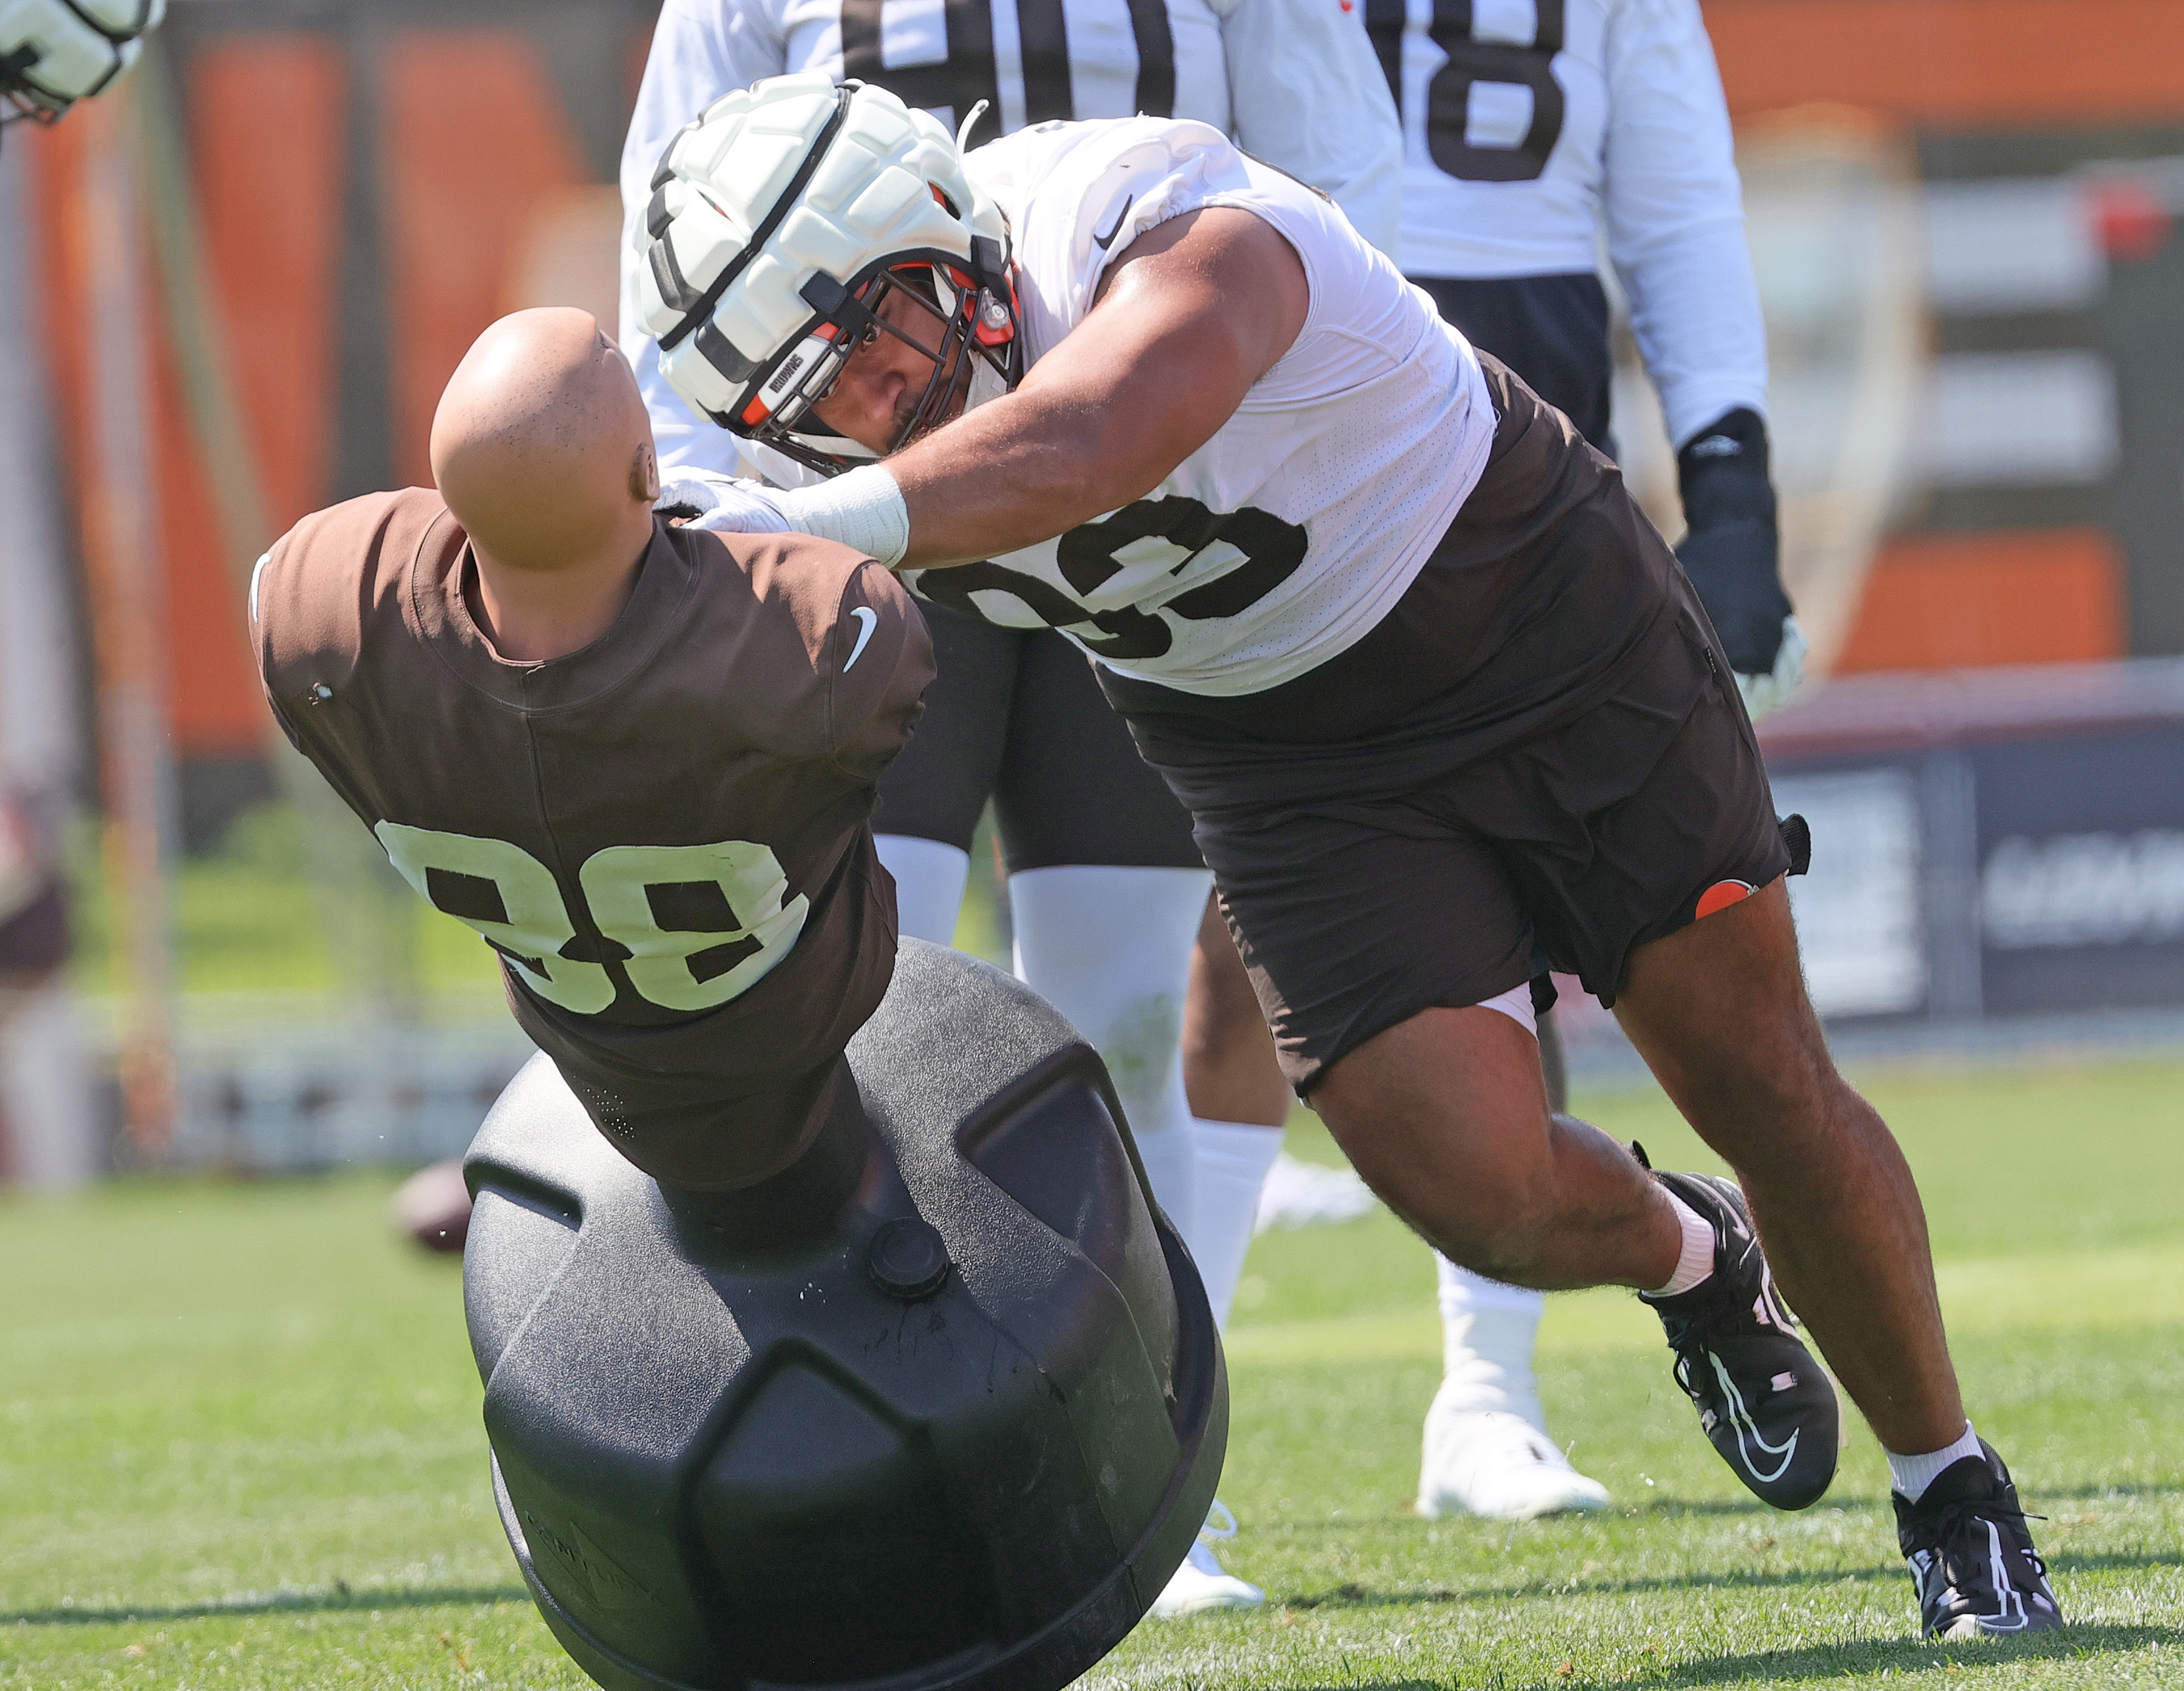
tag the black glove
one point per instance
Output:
(1731, 553)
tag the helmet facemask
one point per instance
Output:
(972, 334)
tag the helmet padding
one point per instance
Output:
(780, 218)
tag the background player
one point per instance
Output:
(1106, 888)
(1593, 122)
(639, 762)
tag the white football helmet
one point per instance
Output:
(54, 53)
(781, 218)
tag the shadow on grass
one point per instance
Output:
(2094, 1493)
(1663, 1508)
(1358, 1597)
(1673, 1509)
(340, 1598)
(1832, 1661)
(1353, 1596)
(1850, 1502)
(1810, 1666)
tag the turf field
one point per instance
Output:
(239, 1446)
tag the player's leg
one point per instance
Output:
(1485, 1449)
(1657, 910)
(1718, 1010)
(1108, 890)
(1375, 934)
(1826, 1182)
(931, 796)
(1444, 1117)
(1238, 1106)
(1109, 946)
(1105, 886)
(1375, 928)
(1484, 1446)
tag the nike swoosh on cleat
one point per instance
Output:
(1104, 242)
(1740, 1417)
(867, 620)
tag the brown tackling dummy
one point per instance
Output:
(639, 759)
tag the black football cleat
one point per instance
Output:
(1972, 1557)
(1762, 1397)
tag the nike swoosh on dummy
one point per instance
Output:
(867, 620)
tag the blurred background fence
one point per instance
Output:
(229, 294)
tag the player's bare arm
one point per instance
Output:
(1193, 313)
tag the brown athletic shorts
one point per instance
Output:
(1584, 779)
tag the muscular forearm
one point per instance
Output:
(1022, 470)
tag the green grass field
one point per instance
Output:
(239, 1446)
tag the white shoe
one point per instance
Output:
(1201, 1584)
(1491, 1463)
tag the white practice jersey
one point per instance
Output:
(1295, 81)
(1284, 539)
(1531, 128)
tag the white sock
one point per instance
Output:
(1171, 1159)
(1233, 1159)
(929, 878)
(1488, 1330)
(1695, 1262)
(1910, 1476)
(1109, 948)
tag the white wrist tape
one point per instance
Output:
(863, 509)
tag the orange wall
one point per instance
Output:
(267, 116)
(1961, 601)
(268, 139)
(473, 137)
(1965, 64)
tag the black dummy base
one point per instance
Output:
(942, 1406)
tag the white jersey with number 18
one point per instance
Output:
(1535, 131)
(1285, 539)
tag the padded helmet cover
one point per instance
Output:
(772, 202)
(54, 53)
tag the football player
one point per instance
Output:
(638, 761)
(54, 53)
(1528, 137)
(1432, 687)
(1106, 887)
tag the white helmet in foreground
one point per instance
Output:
(54, 53)
(780, 220)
